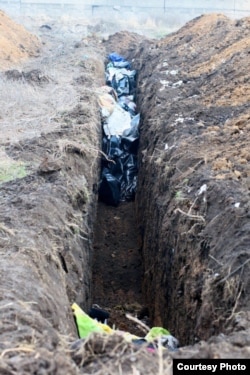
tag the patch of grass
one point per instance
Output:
(179, 196)
(10, 170)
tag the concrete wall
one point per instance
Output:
(175, 13)
(239, 5)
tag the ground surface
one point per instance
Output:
(192, 203)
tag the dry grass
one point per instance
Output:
(18, 349)
(27, 110)
(99, 354)
(222, 293)
(7, 230)
(70, 146)
(112, 354)
(81, 149)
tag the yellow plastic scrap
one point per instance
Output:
(129, 337)
(105, 328)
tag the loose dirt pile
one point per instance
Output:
(193, 198)
(16, 43)
(192, 202)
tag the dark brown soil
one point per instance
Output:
(117, 252)
(193, 198)
(189, 240)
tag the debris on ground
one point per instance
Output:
(155, 337)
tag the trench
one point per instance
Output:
(134, 269)
(150, 256)
(131, 270)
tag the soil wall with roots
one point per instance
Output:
(49, 173)
(193, 193)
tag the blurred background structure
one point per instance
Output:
(174, 13)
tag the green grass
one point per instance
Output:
(179, 196)
(11, 170)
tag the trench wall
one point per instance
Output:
(186, 260)
(46, 229)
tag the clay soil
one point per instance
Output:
(181, 250)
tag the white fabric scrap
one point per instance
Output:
(202, 189)
(180, 120)
(177, 84)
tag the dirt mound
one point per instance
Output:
(34, 76)
(194, 175)
(125, 42)
(225, 58)
(16, 43)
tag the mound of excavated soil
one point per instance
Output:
(192, 201)
(16, 43)
(193, 198)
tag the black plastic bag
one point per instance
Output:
(112, 146)
(130, 137)
(119, 168)
(110, 189)
(129, 180)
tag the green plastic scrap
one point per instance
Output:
(156, 332)
(85, 324)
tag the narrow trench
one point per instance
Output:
(117, 267)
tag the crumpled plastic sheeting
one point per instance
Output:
(118, 61)
(121, 134)
(117, 122)
(122, 80)
(127, 103)
(119, 172)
